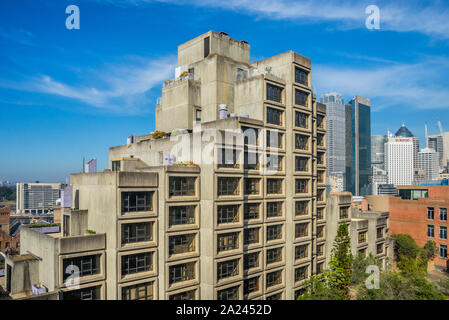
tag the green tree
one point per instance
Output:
(405, 246)
(339, 275)
(359, 265)
(429, 250)
(444, 285)
(317, 288)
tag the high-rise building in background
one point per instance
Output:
(358, 146)
(36, 198)
(440, 143)
(404, 132)
(378, 151)
(335, 139)
(428, 160)
(241, 217)
(379, 177)
(399, 160)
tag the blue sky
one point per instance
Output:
(68, 94)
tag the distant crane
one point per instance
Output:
(440, 126)
(427, 135)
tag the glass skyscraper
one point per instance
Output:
(358, 146)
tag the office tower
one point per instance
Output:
(335, 137)
(359, 146)
(404, 132)
(440, 143)
(399, 154)
(36, 198)
(428, 160)
(378, 151)
(225, 200)
(380, 177)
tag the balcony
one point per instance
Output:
(90, 242)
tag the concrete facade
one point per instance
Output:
(368, 227)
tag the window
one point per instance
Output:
(91, 293)
(137, 201)
(251, 260)
(430, 213)
(274, 209)
(206, 46)
(379, 248)
(227, 269)
(301, 273)
(228, 186)
(135, 263)
(320, 250)
(183, 243)
(362, 252)
(198, 115)
(301, 120)
(301, 208)
(87, 266)
(443, 214)
(380, 233)
(250, 135)
(274, 162)
(186, 295)
(181, 186)
(320, 232)
(274, 232)
(430, 231)
(227, 241)
(276, 296)
(301, 251)
(301, 230)
(228, 214)
(321, 175)
(320, 140)
(274, 255)
(301, 142)
(362, 237)
(137, 232)
(274, 93)
(301, 98)
(301, 76)
(251, 211)
(274, 278)
(344, 212)
(274, 139)
(320, 195)
(141, 291)
(301, 164)
(443, 251)
(181, 272)
(274, 116)
(181, 215)
(301, 186)
(228, 294)
(320, 213)
(251, 236)
(116, 165)
(320, 158)
(320, 121)
(252, 186)
(251, 161)
(274, 186)
(227, 158)
(443, 233)
(251, 285)
(319, 267)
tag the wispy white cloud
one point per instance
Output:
(421, 86)
(119, 88)
(400, 15)
(20, 36)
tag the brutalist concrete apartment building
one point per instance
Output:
(226, 200)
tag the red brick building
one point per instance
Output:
(421, 212)
(6, 239)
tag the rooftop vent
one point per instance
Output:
(222, 33)
(244, 41)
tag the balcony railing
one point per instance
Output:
(188, 76)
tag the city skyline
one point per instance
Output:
(66, 94)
